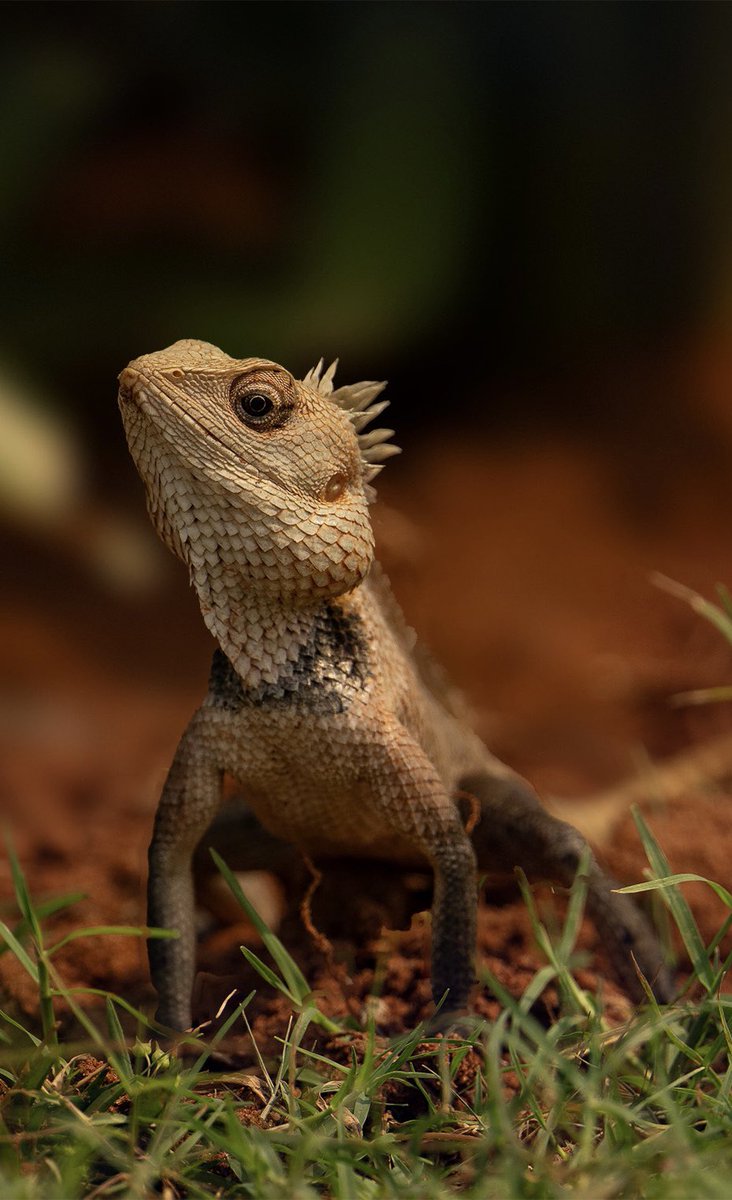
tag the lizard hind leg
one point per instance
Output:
(514, 829)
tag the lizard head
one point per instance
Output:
(253, 477)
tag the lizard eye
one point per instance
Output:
(263, 404)
(255, 404)
(254, 408)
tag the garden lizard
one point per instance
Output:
(342, 736)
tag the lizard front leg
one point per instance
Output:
(516, 830)
(453, 920)
(191, 797)
(412, 800)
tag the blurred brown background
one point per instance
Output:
(520, 214)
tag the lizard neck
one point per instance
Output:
(263, 637)
(325, 664)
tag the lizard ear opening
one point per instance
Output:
(335, 487)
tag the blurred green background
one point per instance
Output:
(463, 192)
(520, 214)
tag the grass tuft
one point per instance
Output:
(574, 1107)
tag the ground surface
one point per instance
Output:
(526, 571)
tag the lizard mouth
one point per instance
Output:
(138, 393)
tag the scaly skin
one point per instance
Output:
(344, 742)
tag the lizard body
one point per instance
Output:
(318, 703)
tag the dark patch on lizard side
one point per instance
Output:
(331, 668)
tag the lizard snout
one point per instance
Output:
(129, 381)
(128, 378)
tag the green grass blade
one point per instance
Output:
(22, 895)
(575, 907)
(558, 956)
(710, 695)
(116, 930)
(678, 906)
(120, 1058)
(21, 1028)
(725, 599)
(711, 612)
(19, 951)
(105, 995)
(268, 975)
(297, 984)
(653, 885)
(39, 971)
(48, 908)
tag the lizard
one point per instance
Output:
(320, 704)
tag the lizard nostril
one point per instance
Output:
(127, 378)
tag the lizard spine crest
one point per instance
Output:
(356, 401)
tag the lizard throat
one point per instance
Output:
(318, 662)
